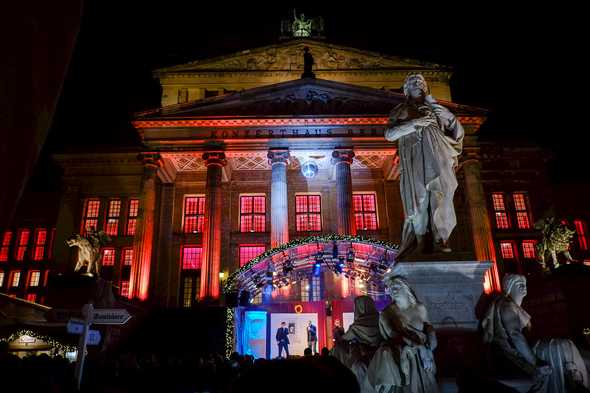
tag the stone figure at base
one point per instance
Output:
(555, 365)
(405, 361)
(430, 140)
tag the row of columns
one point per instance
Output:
(342, 159)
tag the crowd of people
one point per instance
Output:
(175, 373)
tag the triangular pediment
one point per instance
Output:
(288, 56)
(295, 98)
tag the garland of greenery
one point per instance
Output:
(229, 331)
(60, 347)
(230, 284)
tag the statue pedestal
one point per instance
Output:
(449, 289)
(73, 290)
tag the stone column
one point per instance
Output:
(215, 161)
(144, 235)
(483, 241)
(279, 215)
(342, 159)
(167, 274)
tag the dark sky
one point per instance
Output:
(521, 64)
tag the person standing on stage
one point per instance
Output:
(312, 337)
(283, 339)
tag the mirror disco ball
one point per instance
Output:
(309, 169)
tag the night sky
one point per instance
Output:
(521, 65)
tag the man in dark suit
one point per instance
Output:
(283, 339)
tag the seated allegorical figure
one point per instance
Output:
(362, 338)
(404, 362)
(555, 365)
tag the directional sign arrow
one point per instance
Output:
(111, 316)
(93, 337)
(75, 326)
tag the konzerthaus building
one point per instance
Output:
(245, 155)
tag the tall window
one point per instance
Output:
(498, 202)
(182, 95)
(581, 232)
(124, 291)
(15, 278)
(308, 213)
(507, 250)
(127, 256)
(113, 214)
(304, 290)
(529, 249)
(194, 214)
(21, 244)
(132, 217)
(187, 292)
(249, 252)
(365, 211)
(34, 278)
(5, 246)
(191, 257)
(40, 241)
(316, 288)
(252, 213)
(91, 211)
(108, 257)
(523, 220)
(1, 279)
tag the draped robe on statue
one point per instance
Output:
(428, 158)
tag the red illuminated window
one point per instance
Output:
(252, 213)
(5, 246)
(582, 234)
(365, 211)
(113, 213)
(308, 213)
(40, 241)
(194, 214)
(14, 278)
(249, 252)
(191, 257)
(91, 211)
(21, 244)
(529, 249)
(523, 220)
(132, 216)
(124, 291)
(500, 210)
(34, 278)
(108, 256)
(127, 256)
(507, 250)
(31, 297)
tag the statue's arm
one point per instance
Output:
(449, 121)
(431, 341)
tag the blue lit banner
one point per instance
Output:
(254, 333)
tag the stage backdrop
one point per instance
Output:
(254, 334)
(297, 324)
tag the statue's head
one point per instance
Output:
(400, 291)
(415, 86)
(514, 285)
(73, 240)
(364, 305)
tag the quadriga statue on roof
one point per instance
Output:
(430, 140)
(555, 365)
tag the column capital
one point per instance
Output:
(214, 158)
(342, 155)
(278, 156)
(151, 162)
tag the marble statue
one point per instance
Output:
(89, 250)
(555, 365)
(404, 362)
(556, 238)
(430, 140)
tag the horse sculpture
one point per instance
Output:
(89, 250)
(556, 239)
